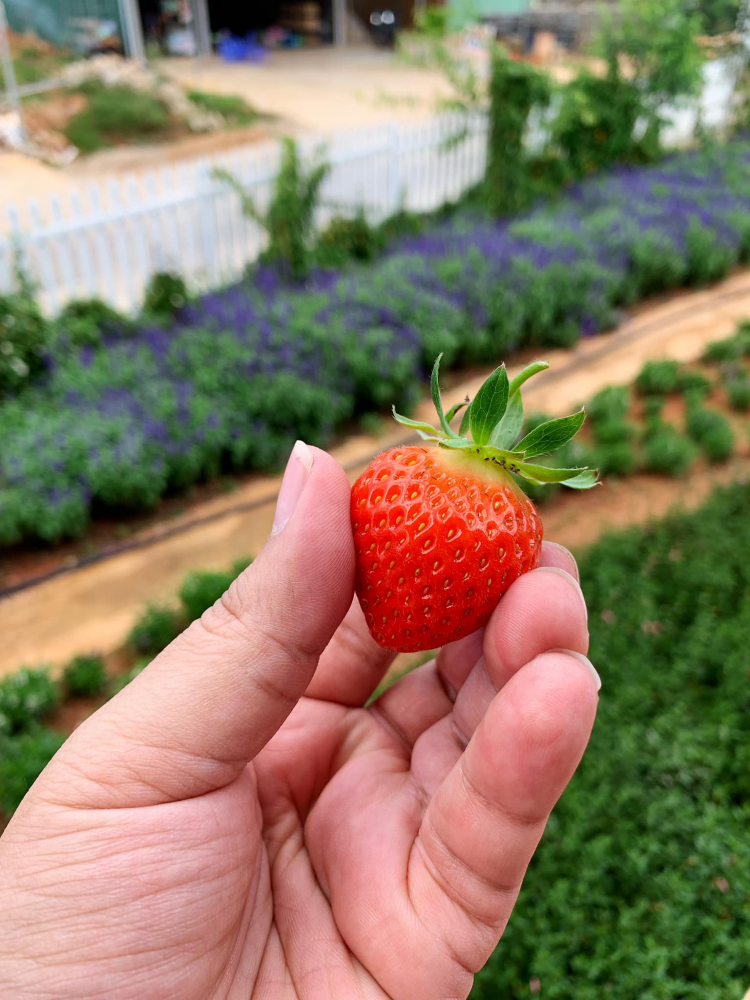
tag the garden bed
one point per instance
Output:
(142, 413)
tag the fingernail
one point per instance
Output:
(567, 562)
(584, 661)
(298, 468)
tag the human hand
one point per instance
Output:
(236, 824)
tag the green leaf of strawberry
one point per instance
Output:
(489, 406)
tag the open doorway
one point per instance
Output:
(199, 27)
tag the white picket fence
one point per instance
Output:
(108, 240)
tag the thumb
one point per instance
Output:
(210, 702)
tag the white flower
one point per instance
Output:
(19, 367)
(6, 348)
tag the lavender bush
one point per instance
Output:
(243, 371)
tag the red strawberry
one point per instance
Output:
(441, 533)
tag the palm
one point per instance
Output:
(363, 852)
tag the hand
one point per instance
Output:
(236, 824)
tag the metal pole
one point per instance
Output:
(132, 29)
(340, 14)
(202, 24)
(9, 73)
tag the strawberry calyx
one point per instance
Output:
(494, 419)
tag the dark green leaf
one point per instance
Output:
(551, 435)
(489, 405)
(507, 431)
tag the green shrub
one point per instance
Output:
(84, 321)
(708, 260)
(154, 630)
(613, 431)
(738, 392)
(85, 676)
(290, 217)
(346, 239)
(615, 458)
(25, 696)
(610, 404)
(653, 407)
(115, 114)
(201, 590)
(693, 384)
(24, 335)
(121, 681)
(666, 451)
(516, 89)
(235, 110)
(711, 431)
(639, 888)
(166, 293)
(658, 378)
(731, 348)
(594, 127)
(23, 757)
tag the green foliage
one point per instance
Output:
(658, 40)
(516, 89)
(154, 630)
(202, 589)
(115, 114)
(711, 431)
(613, 431)
(85, 676)
(290, 217)
(615, 458)
(738, 392)
(23, 757)
(346, 239)
(708, 260)
(166, 293)
(24, 335)
(83, 322)
(693, 383)
(653, 407)
(658, 378)
(594, 127)
(731, 348)
(666, 451)
(235, 110)
(718, 16)
(122, 680)
(609, 405)
(25, 696)
(640, 887)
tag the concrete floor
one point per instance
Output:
(320, 90)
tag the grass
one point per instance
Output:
(235, 110)
(32, 65)
(116, 114)
(641, 887)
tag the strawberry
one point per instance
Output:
(441, 533)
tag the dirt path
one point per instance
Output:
(93, 607)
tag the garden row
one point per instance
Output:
(29, 697)
(240, 373)
(672, 414)
(641, 885)
(626, 431)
